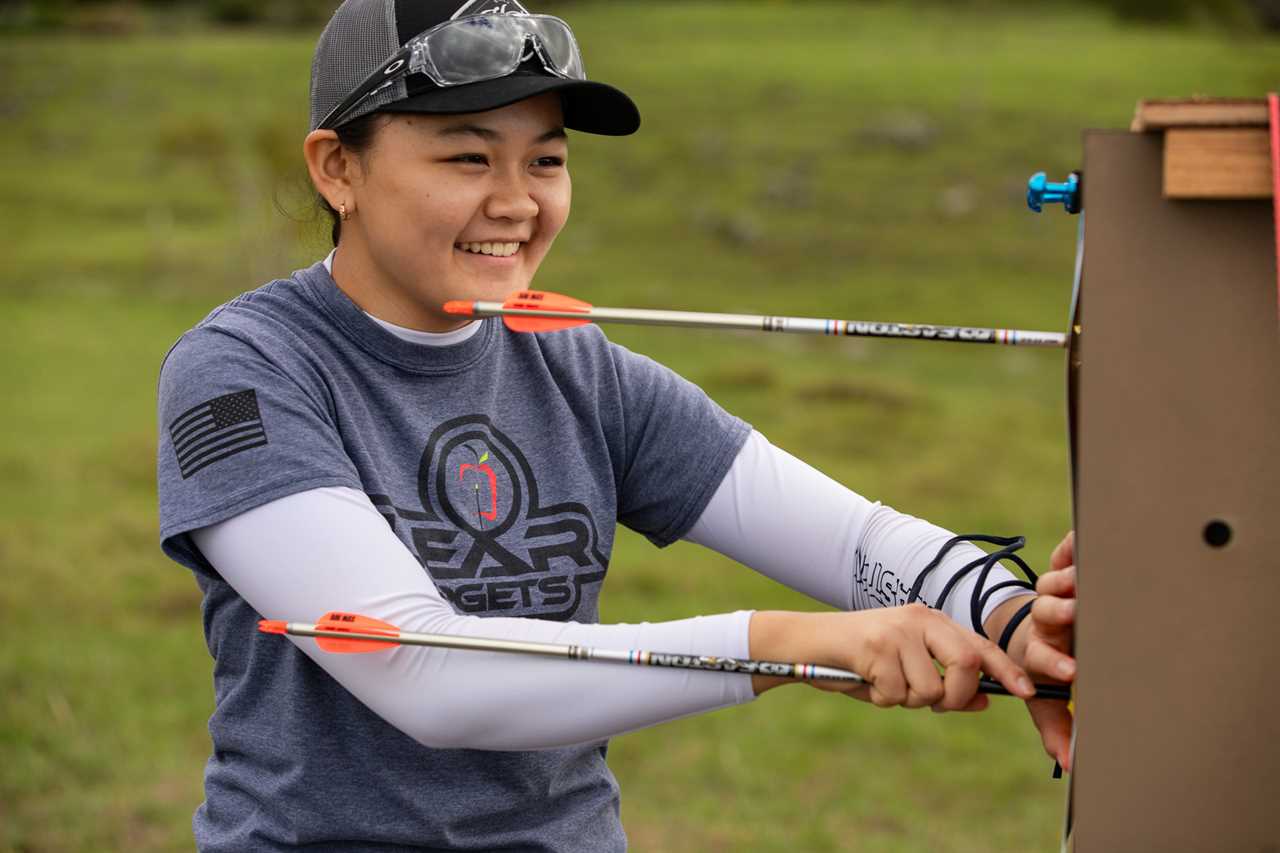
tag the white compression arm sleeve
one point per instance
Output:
(793, 523)
(298, 557)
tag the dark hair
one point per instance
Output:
(357, 137)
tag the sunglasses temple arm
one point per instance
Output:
(374, 83)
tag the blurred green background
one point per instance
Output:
(861, 160)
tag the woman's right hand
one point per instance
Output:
(897, 649)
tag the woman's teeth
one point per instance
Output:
(500, 250)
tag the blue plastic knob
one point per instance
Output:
(1040, 192)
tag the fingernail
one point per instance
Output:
(1025, 685)
(1065, 668)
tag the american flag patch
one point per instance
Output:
(216, 429)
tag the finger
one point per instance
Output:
(1001, 667)
(995, 662)
(888, 684)
(861, 692)
(960, 681)
(1061, 582)
(1053, 721)
(979, 702)
(1044, 658)
(1065, 554)
(1052, 614)
(924, 684)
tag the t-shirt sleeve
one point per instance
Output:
(677, 446)
(238, 427)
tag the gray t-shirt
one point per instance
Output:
(501, 462)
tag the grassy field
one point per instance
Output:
(856, 160)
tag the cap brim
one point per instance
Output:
(589, 107)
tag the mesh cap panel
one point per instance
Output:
(363, 34)
(359, 38)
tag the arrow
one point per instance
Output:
(543, 311)
(351, 633)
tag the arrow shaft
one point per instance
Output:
(794, 325)
(801, 671)
(798, 671)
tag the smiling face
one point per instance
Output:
(450, 207)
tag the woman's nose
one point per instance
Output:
(511, 200)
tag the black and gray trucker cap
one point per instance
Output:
(363, 33)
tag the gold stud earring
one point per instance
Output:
(342, 211)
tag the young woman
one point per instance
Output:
(333, 440)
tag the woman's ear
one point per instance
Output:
(331, 166)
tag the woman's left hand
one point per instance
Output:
(1043, 645)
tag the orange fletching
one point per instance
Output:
(353, 622)
(544, 300)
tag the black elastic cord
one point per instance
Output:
(980, 596)
(946, 549)
(1007, 635)
(956, 578)
(1008, 546)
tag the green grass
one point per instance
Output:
(143, 180)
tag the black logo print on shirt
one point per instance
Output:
(484, 535)
(217, 429)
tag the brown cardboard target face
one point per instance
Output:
(1178, 496)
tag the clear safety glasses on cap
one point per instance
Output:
(473, 49)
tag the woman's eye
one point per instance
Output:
(478, 159)
(549, 162)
